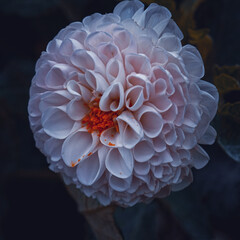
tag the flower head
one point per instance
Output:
(118, 105)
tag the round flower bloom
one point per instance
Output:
(118, 105)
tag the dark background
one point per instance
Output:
(34, 203)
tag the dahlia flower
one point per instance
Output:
(118, 106)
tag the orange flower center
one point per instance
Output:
(97, 120)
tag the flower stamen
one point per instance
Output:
(98, 120)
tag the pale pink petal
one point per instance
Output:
(119, 162)
(169, 42)
(119, 184)
(56, 123)
(113, 98)
(115, 71)
(78, 146)
(137, 63)
(161, 103)
(129, 129)
(96, 81)
(68, 46)
(134, 98)
(159, 144)
(77, 109)
(143, 151)
(199, 157)
(108, 51)
(192, 116)
(126, 9)
(87, 60)
(150, 120)
(209, 136)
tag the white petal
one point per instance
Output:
(113, 98)
(108, 51)
(159, 86)
(199, 157)
(115, 71)
(90, 170)
(68, 46)
(170, 42)
(95, 39)
(171, 137)
(161, 103)
(111, 138)
(136, 79)
(158, 56)
(78, 146)
(155, 17)
(165, 157)
(134, 98)
(119, 184)
(151, 121)
(178, 96)
(54, 99)
(125, 41)
(190, 141)
(192, 116)
(192, 61)
(143, 151)
(96, 81)
(58, 75)
(53, 148)
(119, 162)
(209, 136)
(129, 129)
(56, 123)
(79, 90)
(87, 60)
(137, 63)
(171, 114)
(126, 9)
(33, 106)
(159, 144)
(141, 168)
(173, 28)
(176, 73)
(77, 109)
(54, 45)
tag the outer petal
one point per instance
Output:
(119, 162)
(126, 9)
(90, 170)
(78, 146)
(199, 157)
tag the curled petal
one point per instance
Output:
(111, 138)
(199, 157)
(119, 184)
(155, 17)
(53, 148)
(78, 146)
(142, 168)
(126, 9)
(58, 75)
(159, 144)
(96, 81)
(108, 51)
(134, 98)
(115, 71)
(77, 109)
(78, 90)
(137, 63)
(56, 123)
(95, 39)
(159, 87)
(161, 102)
(119, 162)
(68, 46)
(87, 60)
(173, 28)
(143, 151)
(192, 61)
(171, 114)
(134, 79)
(113, 98)
(176, 73)
(90, 170)
(158, 56)
(129, 129)
(54, 45)
(151, 120)
(209, 136)
(169, 42)
(192, 116)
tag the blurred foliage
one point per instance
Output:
(227, 81)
